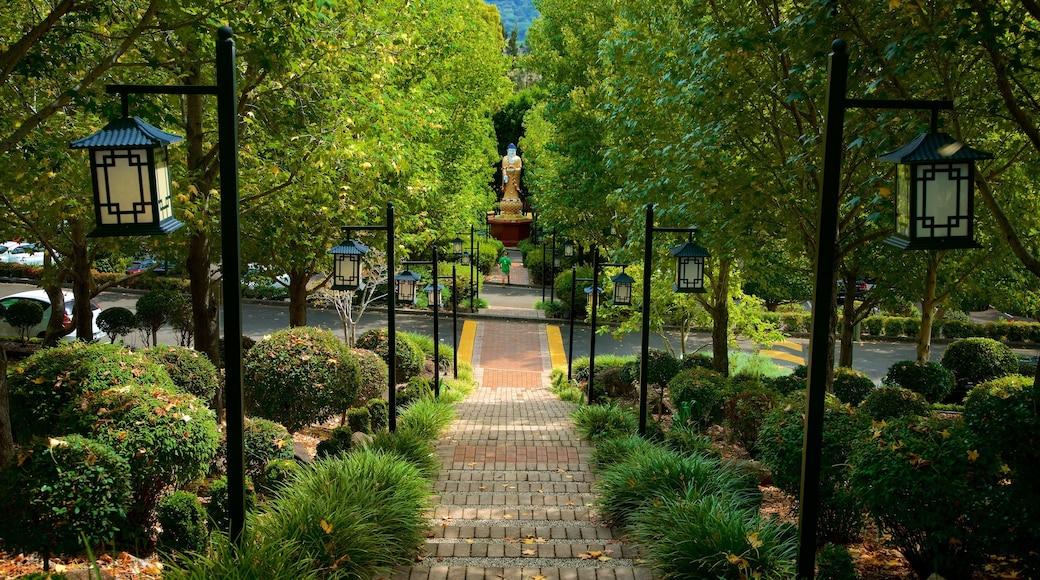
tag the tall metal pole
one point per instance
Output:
(227, 121)
(472, 280)
(592, 338)
(570, 342)
(391, 307)
(478, 272)
(436, 330)
(543, 270)
(454, 324)
(644, 345)
(552, 270)
(826, 240)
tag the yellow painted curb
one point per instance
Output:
(469, 335)
(785, 356)
(556, 352)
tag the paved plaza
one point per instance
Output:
(513, 500)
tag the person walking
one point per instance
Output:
(504, 262)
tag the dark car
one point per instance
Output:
(145, 264)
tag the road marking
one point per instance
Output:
(469, 333)
(556, 352)
(784, 355)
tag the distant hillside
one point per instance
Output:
(519, 13)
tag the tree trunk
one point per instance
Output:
(82, 283)
(297, 299)
(720, 319)
(928, 306)
(56, 323)
(6, 437)
(848, 311)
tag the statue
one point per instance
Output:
(511, 166)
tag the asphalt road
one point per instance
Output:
(260, 319)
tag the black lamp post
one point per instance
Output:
(405, 282)
(570, 346)
(689, 277)
(346, 275)
(933, 216)
(116, 214)
(434, 297)
(622, 288)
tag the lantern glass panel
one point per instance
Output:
(406, 291)
(903, 194)
(622, 293)
(466, 259)
(943, 200)
(347, 274)
(689, 274)
(456, 245)
(126, 194)
(568, 248)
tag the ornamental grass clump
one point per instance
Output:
(614, 450)
(709, 536)
(354, 516)
(247, 560)
(426, 418)
(658, 474)
(409, 446)
(595, 422)
(300, 376)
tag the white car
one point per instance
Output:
(40, 297)
(28, 254)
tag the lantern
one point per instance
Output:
(131, 180)
(433, 295)
(935, 193)
(568, 249)
(689, 268)
(556, 262)
(346, 270)
(406, 281)
(456, 246)
(622, 289)
(466, 258)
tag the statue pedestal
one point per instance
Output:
(510, 229)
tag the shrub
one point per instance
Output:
(264, 441)
(217, 508)
(183, 522)
(250, 558)
(418, 388)
(890, 402)
(661, 367)
(47, 387)
(786, 384)
(893, 326)
(976, 360)
(563, 283)
(710, 537)
(851, 386)
(190, 370)
(156, 307)
(834, 562)
(408, 356)
(361, 513)
(744, 412)
(374, 374)
(379, 410)
(659, 474)
(924, 482)
(780, 447)
(299, 376)
(700, 395)
(359, 420)
(873, 325)
(614, 450)
(116, 321)
(933, 381)
(409, 445)
(339, 442)
(594, 422)
(277, 474)
(696, 360)
(24, 315)
(60, 489)
(614, 383)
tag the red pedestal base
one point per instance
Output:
(510, 230)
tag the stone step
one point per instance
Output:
(571, 550)
(503, 513)
(519, 475)
(489, 498)
(448, 572)
(500, 531)
(514, 487)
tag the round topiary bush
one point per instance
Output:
(116, 321)
(1003, 413)
(374, 374)
(786, 384)
(278, 473)
(217, 508)
(300, 376)
(359, 420)
(976, 360)
(696, 360)
(264, 441)
(834, 562)
(661, 366)
(890, 402)
(155, 308)
(339, 441)
(409, 357)
(851, 386)
(698, 396)
(190, 370)
(417, 388)
(47, 387)
(744, 413)
(183, 522)
(60, 489)
(932, 380)
(379, 410)
(23, 315)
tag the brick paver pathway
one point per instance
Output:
(513, 499)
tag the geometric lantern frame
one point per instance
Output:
(131, 179)
(435, 293)
(689, 268)
(622, 288)
(406, 282)
(935, 193)
(346, 271)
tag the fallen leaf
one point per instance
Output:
(604, 558)
(469, 541)
(482, 488)
(471, 464)
(326, 526)
(529, 552)
(537, 577)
